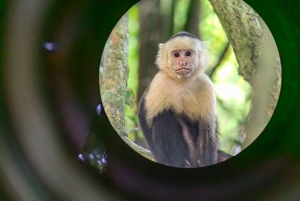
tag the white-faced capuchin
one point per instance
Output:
(177, 113)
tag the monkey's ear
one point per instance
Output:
(160, 45)
(160, 50)
(159, 55)
(203, 56)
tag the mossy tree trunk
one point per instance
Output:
(113, 82)
(115, 73)
(258, 58)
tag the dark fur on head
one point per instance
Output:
(183, 34)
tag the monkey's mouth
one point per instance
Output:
(183, 71)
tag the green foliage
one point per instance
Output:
(181, 8)
(211, 31)
(131, 121)
(233, 101)
(132, 82)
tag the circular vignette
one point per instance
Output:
(243, 177)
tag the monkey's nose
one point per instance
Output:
(183, 63)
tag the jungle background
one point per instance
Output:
(154, 21)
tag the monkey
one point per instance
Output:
(177, 112)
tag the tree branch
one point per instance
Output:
(221, 57)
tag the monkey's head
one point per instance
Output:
(182, 56)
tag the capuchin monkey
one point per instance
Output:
(177, 112)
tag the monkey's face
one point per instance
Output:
(183, 61)
(182, 57)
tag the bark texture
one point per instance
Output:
(115, 73)
(258, 58)
(113, 82)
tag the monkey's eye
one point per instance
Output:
(176, 54)
(188, 53)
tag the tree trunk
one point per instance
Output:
(150, 37)
(193, 18)
(114, 81)
(258, 58)
(115, 73)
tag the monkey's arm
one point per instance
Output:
(147, 131)
(164, 137)
(171, 148)
(222, 156)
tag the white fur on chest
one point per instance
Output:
(195, 98)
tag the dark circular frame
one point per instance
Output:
(31, 145)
